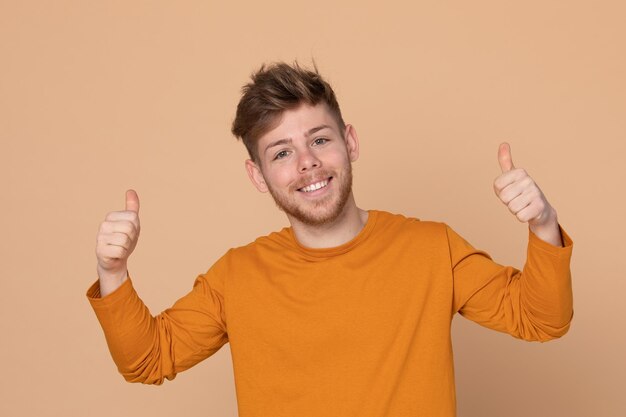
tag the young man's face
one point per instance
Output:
(305, 164)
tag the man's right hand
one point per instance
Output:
(116, 240)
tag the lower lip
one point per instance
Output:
(318, 191)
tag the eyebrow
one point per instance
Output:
(288, 140)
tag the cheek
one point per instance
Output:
(279, 178)
(339, 160)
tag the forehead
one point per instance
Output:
(294, 123)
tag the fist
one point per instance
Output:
(517, 190)
(117, 237)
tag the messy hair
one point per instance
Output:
(275, 88)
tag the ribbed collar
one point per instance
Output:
(325, 253)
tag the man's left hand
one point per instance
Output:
(517, 190)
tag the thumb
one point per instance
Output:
(504, 157)
(132, 201)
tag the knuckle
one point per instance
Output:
(120, 252)
(541, 206)
(130, 226)
(126, 227)
(102, 254)
(104, 227)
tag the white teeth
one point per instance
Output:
(315, 186)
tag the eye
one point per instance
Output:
(281, 155)
(320, 141)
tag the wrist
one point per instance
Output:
(548, 228)
(110, 281)
(547, 220)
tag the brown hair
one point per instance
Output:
(274, 89)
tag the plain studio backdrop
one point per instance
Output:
(98, 97)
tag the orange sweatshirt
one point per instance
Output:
(358, 330)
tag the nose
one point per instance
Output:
(307, 161)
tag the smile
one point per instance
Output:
(315, 186)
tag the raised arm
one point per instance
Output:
(148, 348)
(535, 303)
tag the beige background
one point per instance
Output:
(98, 97)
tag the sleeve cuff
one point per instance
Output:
(121, 292)
(568, 243)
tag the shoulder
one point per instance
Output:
(274, 242)
(424, 239)
(401, 224)
(250, 256)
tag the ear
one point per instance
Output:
(352, 143)
(256, 176)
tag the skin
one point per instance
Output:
(116, 240)
(291, 156)
(523, 197)
(296, 154)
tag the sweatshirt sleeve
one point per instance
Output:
(149, 349)
(534, 304)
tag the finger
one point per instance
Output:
(117, 239)
(111, 252)
(129, 216)
(125, 227)
(132, 201)
(504, 157)
(530, 212)
(516, 188)
(520, 202)
(507, 178)
(128, 232)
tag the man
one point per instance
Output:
(347, 312)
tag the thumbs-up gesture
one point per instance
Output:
(116, 240)
(517, 190)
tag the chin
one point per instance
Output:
(318, 214)
(317, 219)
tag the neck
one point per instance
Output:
(341, 230)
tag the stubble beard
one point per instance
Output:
(320, 212)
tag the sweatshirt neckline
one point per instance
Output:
(318, 253)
